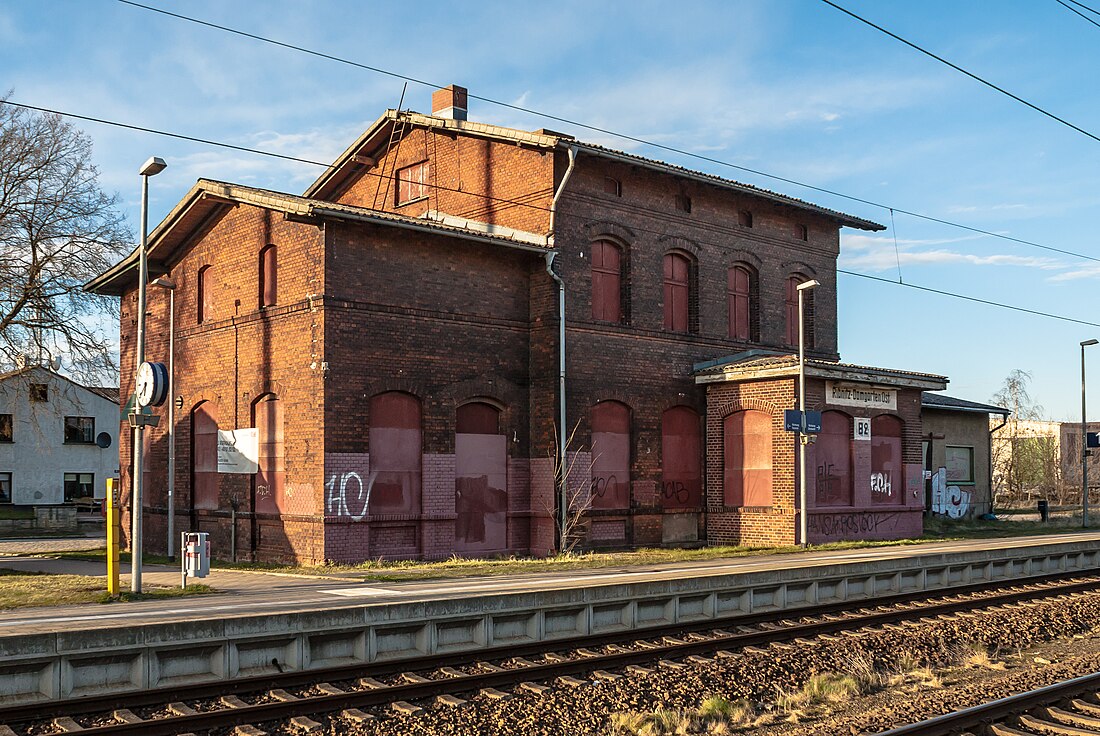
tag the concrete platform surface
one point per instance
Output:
(250, 593)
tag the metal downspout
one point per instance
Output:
(1004, 421)
(563, 501)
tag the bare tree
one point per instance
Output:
(1025, 450)
(58, 229)
(574, 471)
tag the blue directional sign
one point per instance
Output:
(813, 422)
(792, 421)
(1092, 439)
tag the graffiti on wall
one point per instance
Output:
(348, 494)
(950, 501)
(853, 523)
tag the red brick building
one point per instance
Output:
(394, 334)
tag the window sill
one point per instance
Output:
(412, 201)
(81, 442)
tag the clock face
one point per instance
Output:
(152, 384)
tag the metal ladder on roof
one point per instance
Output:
(397, 134)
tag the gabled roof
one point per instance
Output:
(358, 157)
(209, 198)
(754, 365)
(104, 392)
(950, 403)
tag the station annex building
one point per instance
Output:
(394, 335)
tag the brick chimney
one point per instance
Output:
(449, 102)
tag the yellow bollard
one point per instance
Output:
(114, 535)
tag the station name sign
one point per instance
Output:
(861, 395)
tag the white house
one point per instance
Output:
(58, 439)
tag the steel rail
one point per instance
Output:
(309, 705)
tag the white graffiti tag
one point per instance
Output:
(348, 495)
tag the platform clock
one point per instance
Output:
(152, 384)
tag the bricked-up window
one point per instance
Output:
(7, 428)
(610, 455)
(269, 276)
(395, 455)
(481, 479)
(40, 392)
(607, 286)
(5, 487)
(79, 488)
(886, 470)
(792, 310)
(271, 468)
(678, 274)
(801, 232)
(204, 456)
(683, 203)
(611, 186)
(742, 289)
(681, 459)
(747, 468)
(204, 296)
(412, 183)
(744, 218)
(79, 430)
(831, 466)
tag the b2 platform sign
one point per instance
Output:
(1092, 439)
(792, 421)
(862, 429)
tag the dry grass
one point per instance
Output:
(23, 590)
(716, 716)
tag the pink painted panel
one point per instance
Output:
(681, 459)
(481, 497)
(832, 461)
(395, 454)
(887, 479)
(204, 456)
(748, 459)
(271, 473)
(610, 455)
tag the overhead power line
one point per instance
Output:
(1086, 7)
(606, 131)
(1078, 12)
(959, 69)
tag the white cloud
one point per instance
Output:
(877, 253)
(1077, 274)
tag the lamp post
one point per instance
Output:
(166, 283)
(802, 437)
(1084, 449)
(152, 167)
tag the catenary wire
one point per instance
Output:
(487, 197)
(1086, 7)
(959, 69)
(606, 131)
(1078, 12)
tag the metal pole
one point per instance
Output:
(171, 421)
(802, 522)
(1084, 450)
(135, 496)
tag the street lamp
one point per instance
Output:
(1084, 449)
(802, 436)
(152, 167)
(166, 283)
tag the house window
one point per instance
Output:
(78, 487)
(683, 203)
(744, 218)
(741, 299)
(801, 232)
(412, 183)
(886, 475)
(204, 298)
(395, 456)
(610, 455)
(747, 471)
(5, 487)
(611, 186)
(40, 392)
(681, 459)
(677, 283)
(606, 282)
(792, 310)
(269, 275)
(79, 430)
(6, 428)
(960, 463)
(832, 460)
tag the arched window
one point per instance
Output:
(481, 479)
(610, 455)
(748, 458)
(678, 292)
(886, 470)
(741, 299)
(395, 459)
(204, 456)
(607, 282)
(832, 460)
(204, 295)
(792, 310)
(269, 276)
(681, 459)
(267, 413)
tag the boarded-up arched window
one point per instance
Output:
(204, 456)
(269, 276)
(481, 479)
(610, 455)
(741, 303)
(677, 284)
(748, 458)
(681, 458)
(395, 462)
(832, 464)
(792, 310)
(204, 295)
(271, 470)
(607, 282)
(886, 470)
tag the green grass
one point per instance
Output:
(12, 512)
(25, 589)
(938, 528)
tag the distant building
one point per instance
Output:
(957, 457)
(58, 439)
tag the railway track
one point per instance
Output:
(291, 700)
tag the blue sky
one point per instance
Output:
(790, 87)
